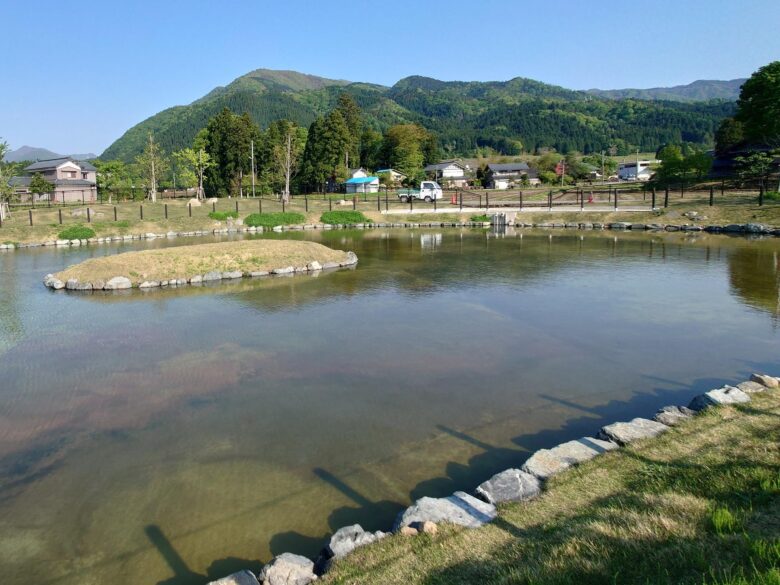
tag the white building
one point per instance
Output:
(448, 173)
(360, 173)
(396, 177)
(73, 181)
(628, 171)
(362, 185)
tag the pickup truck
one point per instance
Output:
(428, 191)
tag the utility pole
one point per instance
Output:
(603, 176)
(637, 164)
(253, 168)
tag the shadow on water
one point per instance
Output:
(182, 574)
(380, 515)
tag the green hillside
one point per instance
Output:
(510, 116)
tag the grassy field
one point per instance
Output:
(698, 505)
(47, 226)
(187, 261)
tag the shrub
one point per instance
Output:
(481, 218)
(222, 215)
(772, 195)
(76, 232)
(344, 217)
(269, 220)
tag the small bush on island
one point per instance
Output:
(479, 218)
(343, 217)
(772, 195)
(222, 215)
(76, 232)
(269, 220)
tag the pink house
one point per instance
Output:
(74, 181)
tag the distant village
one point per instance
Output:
(76, 181)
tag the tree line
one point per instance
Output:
(232, 156)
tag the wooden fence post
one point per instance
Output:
(666, 197)
(114, 212)
(712, 195)
(30, 212)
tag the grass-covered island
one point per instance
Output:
(199, 263)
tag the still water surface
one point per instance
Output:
(176, 436)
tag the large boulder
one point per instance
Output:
(628, 432)
(460, 508)
(719, 397)
(348, 538)
(767, 381)
(118, 283)
(672, 415)
(240, 578)
(351, 259)
(548, 462)
(212, 276)
(288, 569)
(511, 485)
(751, 387)
(194, 202)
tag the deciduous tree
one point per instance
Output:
(40, 186)
(6, 191)
(151, 165)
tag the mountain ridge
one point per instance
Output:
(519, 113)
(699, 90)
(36, 153)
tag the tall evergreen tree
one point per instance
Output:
(758, 107)
(353, 117)
(228, 143)
(314, 169)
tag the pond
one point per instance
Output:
(178, 435)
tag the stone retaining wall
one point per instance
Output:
(511, 485)
(748, 228)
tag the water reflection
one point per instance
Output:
(754, 275)
(179, 435)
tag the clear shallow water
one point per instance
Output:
(176, 436)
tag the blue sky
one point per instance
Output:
(76, 76)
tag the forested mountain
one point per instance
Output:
(509, 117)
(698, 91)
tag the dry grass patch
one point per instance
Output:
(186, 261)
(698, 505)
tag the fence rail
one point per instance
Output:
(111, 208)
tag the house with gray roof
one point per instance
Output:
(507, 175)
(449, 173)
(74, 181)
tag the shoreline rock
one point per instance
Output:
(740, 229)
(462, 509)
